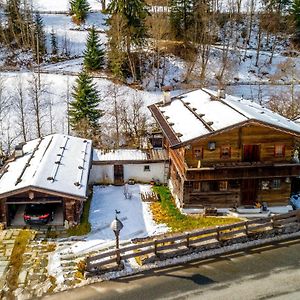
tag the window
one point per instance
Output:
(205, 187)
(276, 184)
(211, 146)
(146, 168)
(279, 151)
(197, 186)
(223, 185)
(225, 152)
(209, 186)
(198, 153)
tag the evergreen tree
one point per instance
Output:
(296, 16)
(93, 54)
(128, 30)
(18, 31)
(79, 10)
(53, 40)
(296, 13)
(181, 17)
(40, 39)
(14, 18)
(84, 112)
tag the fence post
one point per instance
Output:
(247, 228)
(88, 263)
(155, 247)
(218, 233)
(297, 212)
(187, 240)
(272, 222)
(118, 257)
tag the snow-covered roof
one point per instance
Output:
(58, 163)
(201, 112)
(119, 155)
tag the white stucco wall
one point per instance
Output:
(136, 171)
(102, 174)
(105, 173)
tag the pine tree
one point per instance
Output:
(79, 10)
(53, 40)
(296, 13)
(40, 39)
(84, 112)
(94, 53)
(296, 16)
(13, 13)
(181, 17)
(128, 21)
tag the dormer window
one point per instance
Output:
(279, 150)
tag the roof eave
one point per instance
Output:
(42, 190)
(238, 125)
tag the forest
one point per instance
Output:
(90, 68)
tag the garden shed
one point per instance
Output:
(121, 165)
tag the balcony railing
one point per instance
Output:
(239, 170)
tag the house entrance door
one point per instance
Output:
(251, 153)
(118, 174)
(249, 189)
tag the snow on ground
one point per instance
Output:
(71, 35)
(55, 97)
(134, 214)
(61, 5)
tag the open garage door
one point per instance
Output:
(16, 214)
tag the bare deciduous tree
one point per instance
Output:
(115, 96)
(37, 91)
(21, 110)
(133, 120)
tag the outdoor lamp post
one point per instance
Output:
(116, 225)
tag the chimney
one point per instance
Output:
(19, 150)
(221, 94)
(166, 94)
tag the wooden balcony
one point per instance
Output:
(243, 170)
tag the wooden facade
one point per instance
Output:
(245, 165)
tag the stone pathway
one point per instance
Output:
(33, 279)
(7, 243)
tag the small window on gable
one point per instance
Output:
(225, 152)
(146, 168)
(279, 151)
(223, 185)
(198, 152)
(276, 184)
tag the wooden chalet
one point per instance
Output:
(53, 169)
(226, 151)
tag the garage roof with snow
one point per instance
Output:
(58, 163)
(201, 112)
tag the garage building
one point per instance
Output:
(53, 169)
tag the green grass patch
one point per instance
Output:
(165, 211)
(16, 259)
(84, 227)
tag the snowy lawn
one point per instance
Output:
(134, 214)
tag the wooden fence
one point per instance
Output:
(180, 244)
